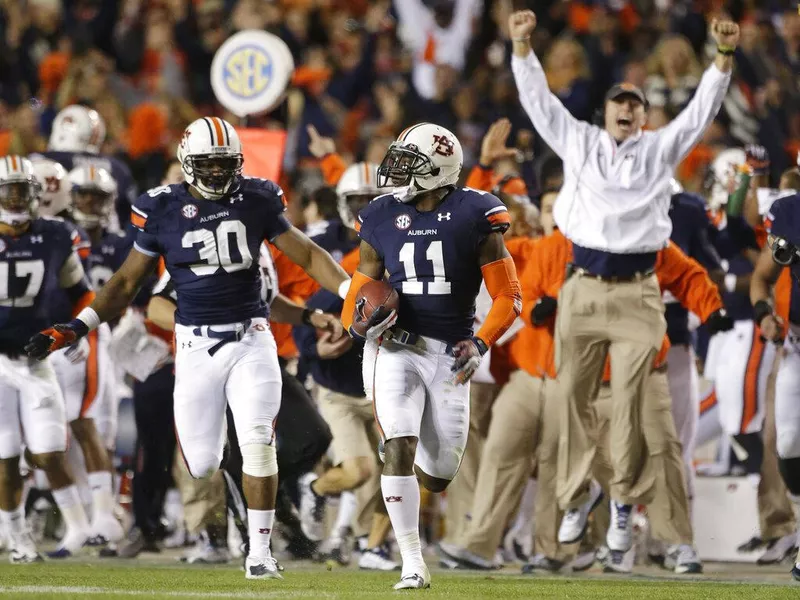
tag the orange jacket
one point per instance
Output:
(544, 276)
(294, 283)
(486, 180)
(332, 167)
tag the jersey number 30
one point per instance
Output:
(434, 253)
(33, 270)
(215, 251)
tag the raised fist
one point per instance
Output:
(725, 33)
(521, 24)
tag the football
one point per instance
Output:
(376, 294)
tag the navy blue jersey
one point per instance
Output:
(783, 220)
(332, 236)
(433, 258)
(342, 374)
(731, 241)
(690, 232)
(211, 248)
(106, 257)
(126, 185)
(30, 272)
(60, 302)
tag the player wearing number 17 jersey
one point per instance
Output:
(437, 242)
(209, 231)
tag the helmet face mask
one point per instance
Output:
(19, 191)
(93, 194)
(402, 164)
(211, 157)
(216, 174)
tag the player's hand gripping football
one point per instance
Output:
(56, 337)
(467, 354)
(382, 318)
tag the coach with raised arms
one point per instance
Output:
(614, 207)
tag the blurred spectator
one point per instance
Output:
(673, 75)
(568, 76)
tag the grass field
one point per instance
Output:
(97, 580)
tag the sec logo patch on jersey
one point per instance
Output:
(189, 211)
(251, 71)
(402, 222)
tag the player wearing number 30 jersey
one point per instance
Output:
(209, 231)
(436, 242)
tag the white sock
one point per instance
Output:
(401, 496)
(14, 520)
(69, 503)
(347, 511)
(259, 526)
(102, 496)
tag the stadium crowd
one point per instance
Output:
(365, 71)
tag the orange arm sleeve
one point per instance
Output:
(685, 279)
(332, 167)
(480, 179)
(82, 303)
(503, 286)
(359, 279)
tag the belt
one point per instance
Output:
(638, 276)
(224, 337)
(401, 336)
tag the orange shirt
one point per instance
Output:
(294, 283)
(332, 167)
(486, 179)
(544, 276)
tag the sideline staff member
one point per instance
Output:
(614, 207)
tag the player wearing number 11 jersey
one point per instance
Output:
(209, 231)
(436, 242)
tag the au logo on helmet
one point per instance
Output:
(444, 145)
(251, 71)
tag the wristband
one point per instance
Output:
(761, 310)
(726, 50)
(344, 287)
(730, 282)
(307, 312)
(89, 318)
(482, 347)
(523, 39)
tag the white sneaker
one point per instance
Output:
(23, 550)
(312, 509)
(204, 553)
(778, 549)
(105, 529)
(574, 523)
(683, 559)
(376, 559)
(70, 544)
(620, 532)
(261, 566)
(415, 580)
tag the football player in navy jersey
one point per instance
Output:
(209, 231)
(436, 242)
(783, 251)
(37, 259)
(76, 138)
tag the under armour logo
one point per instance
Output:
(237, 198)
(444, 145)
(37, 239)
(264, 530)
(443, 216)
(186, 344)
(393, 498)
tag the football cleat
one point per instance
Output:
(261, 566)
(415, 581)
(23, 550)
(312, 509)
(377, 559)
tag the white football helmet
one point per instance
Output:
(19, 190)
(77, 129)
(424, 157)
(211, 158)
(93, 191)
(724, 176)
(356, 188)
(52, 176)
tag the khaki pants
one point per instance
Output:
(775, 512)
(203, 499)
(623, 321)
(506, 461)
(461, 491)
(355, 435)
(670, 521)
(547, 515)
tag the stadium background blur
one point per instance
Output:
(144, 66)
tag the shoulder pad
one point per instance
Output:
(491, 214)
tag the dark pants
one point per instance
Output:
(155, 449)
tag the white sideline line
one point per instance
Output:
(52, 589)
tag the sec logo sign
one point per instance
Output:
(251, 71)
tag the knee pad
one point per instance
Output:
(790, 471)
(259, 460)
(201, 465)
